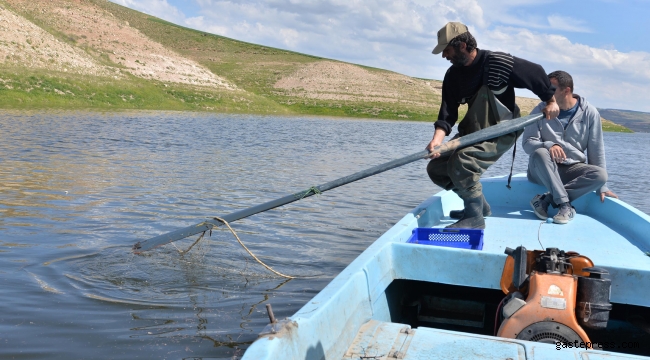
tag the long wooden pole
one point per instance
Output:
(504, 127)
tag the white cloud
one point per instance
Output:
(513, 12)
(158, 8)
(290, 37)
(608, 78)
(198, 22)
(565, 23)
(399, 35)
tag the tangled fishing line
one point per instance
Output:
(240, 243)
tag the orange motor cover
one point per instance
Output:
(551, 297)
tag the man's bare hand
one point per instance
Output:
(438, 137)
(608, 194)
(434, 142)
(557, 154)
(551, 110)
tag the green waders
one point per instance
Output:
(461, 170)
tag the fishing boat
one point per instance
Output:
(520, 289)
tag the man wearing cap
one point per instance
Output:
(486, 81)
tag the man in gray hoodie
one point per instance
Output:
(557, 152)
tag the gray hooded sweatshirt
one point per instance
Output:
(582, 140)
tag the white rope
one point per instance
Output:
(240, 243)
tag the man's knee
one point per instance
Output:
(437, 171)
(465, 170)
(599, 175)
(540, 166)
(540, 160)
(541, 154)
(470, 192)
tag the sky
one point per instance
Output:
(603, 44)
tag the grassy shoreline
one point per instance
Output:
(21, 89)
(27, 90)
(46, 90)
(611, 126)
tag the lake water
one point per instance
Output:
(77, 190)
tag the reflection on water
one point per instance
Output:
(78, 189)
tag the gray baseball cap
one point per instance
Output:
(448, 32)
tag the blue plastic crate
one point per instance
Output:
(456, 238)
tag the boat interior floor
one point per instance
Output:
(606, 244)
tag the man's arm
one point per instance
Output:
(596, 145)
(448, 114)
(447, 117)
(531, 76)
(552, 110)
(532, 136)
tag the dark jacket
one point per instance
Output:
(506, 72)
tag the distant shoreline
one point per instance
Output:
(608, 126)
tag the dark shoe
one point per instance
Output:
(540, 205)
(473, 218)
(458, 214)
(565, 214)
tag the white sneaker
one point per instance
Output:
(566, 214)
(540, 206)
